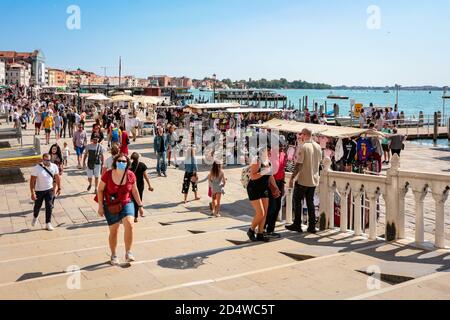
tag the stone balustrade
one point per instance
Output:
(355, 190)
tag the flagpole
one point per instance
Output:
(120, 71)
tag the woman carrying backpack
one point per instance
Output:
(124, 141)
(115, 135)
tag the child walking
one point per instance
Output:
(217, 181)
(66, 154)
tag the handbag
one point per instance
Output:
(116, 208)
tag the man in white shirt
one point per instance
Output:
(16, 118)
(77, 118)
(134, 124)
(45, 183)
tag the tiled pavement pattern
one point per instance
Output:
(184, 254)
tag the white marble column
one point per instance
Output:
(440, 199)
(420, 196)
(357, 213)
(330, 197)
(344, 209)
(289, 205)
(401, 212)
(373, 198)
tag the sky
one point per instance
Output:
(339, 42)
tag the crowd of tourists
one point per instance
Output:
(119, 180)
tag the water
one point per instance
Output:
(441, 143)
(411, 102)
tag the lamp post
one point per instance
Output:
(79, 92)
(214, 87)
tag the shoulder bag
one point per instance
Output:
(116, 209)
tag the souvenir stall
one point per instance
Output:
(95, 104)
(165, 114)
(350, 149)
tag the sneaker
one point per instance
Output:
(129, 257)
(262, 237)
(34, 222)
(294, 228)
(89, 188)
(312, 230)
(251, 235)
(274, 235)
(49, 227)
(114, 261)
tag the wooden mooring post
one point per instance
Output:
(448, 129)
(436, 127)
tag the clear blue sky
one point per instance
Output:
(313, 40)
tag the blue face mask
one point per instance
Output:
(121, 166)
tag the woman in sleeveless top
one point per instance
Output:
(261, 181)
(217, 183)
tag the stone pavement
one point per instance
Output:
(183, 253)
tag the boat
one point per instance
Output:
(252, 94)
(333, 97)
(387, 90)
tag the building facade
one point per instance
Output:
(163, 81)
(2, 73)
(56, 78)
(35, 59)
(18, 74)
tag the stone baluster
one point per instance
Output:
(373, 199)
(420, 195)
(401, 211)
(392, 210)
(344, 208)
(440, 199)
(358, 210)
(324, 193)
(289, 205)
(331, 198)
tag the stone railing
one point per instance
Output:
(356, 190)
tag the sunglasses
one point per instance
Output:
(122, 161)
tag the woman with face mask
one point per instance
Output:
(115, 196)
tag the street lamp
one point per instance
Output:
(214, 87)
(79, 92)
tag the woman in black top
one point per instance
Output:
(140, 171)
(261, 182)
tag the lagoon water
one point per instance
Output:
(411, 102)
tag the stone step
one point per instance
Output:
(23, 251)
(37, 234)
(220, 260)
(432, 287)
